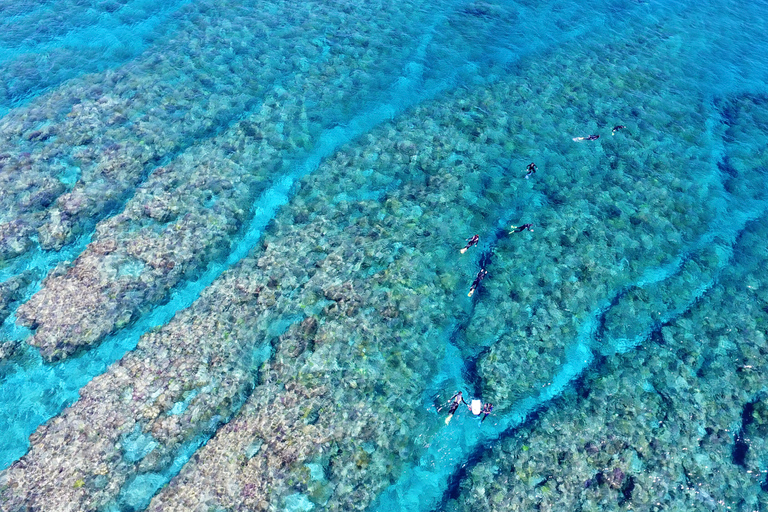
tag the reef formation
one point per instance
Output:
(307, 374)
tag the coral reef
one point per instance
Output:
(307, 373)
(76, 155)
(674, 419)
(185, 213)
(658, 428)
(378, 295)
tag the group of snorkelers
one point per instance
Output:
(458, 399)
(474, 240)
(475, 408)
(529, 170)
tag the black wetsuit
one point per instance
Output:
(522, 228)
(457, 400)
(476, 282)
(472, 241)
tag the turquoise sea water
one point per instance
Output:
(230, 275)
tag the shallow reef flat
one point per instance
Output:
(676, 424)
(185, 213)
(360, 259)
(672, 414)
(309, 374)
(277, 284)
(77, 153)
(44, 44)
(604, 215)
(358, 382)
(467, 135)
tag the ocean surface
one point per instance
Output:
(231, 265)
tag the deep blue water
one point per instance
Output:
(221, 122)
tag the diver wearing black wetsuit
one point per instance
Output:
(531, 169)
(476, 282)
(470, 242)
(456, 400)
(487, 408)
(517, 229)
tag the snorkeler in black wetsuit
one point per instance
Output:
(591, 137)
(617, 128)
(455, 401)
(470, 242)
(476, 282)
(531, 169)
(487, 408)
(517, 229)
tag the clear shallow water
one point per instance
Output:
(295, 182)
(45, 43)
